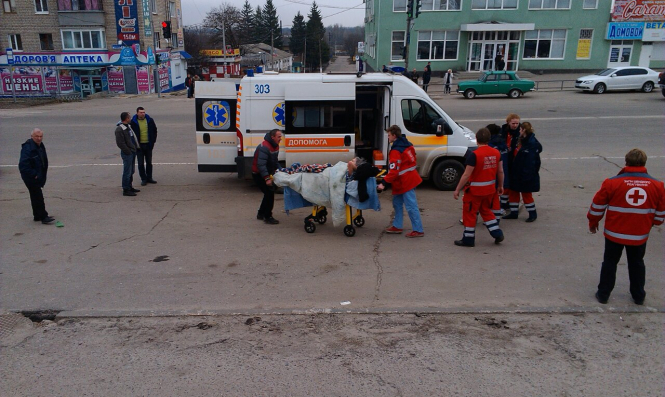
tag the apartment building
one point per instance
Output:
(90, 46)
(535, 35)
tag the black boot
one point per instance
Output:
(532, 216)
(512, 215)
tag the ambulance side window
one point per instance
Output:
(418, 116)
(324, 117)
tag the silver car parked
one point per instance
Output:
(619, 78)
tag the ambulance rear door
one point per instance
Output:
(321, 126)
(216, 130)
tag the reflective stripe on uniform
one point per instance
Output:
(598, 207)
(660, 213)
(632, 210)
(626, 236)
(596, 213)
(659, 219)
(483, 183)
(402, 172)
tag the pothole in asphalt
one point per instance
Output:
(37, 316)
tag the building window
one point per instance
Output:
(9, 5)
(494, 4)
(153, 6)
(46, 41)
(549, 4)
(83, 39)
(590, 4)
(441, 5)
(155, 37)
(172, 9)
(41, 7)
(584, 44)
(79, 5)
(174, 40)
(15, 42)
(369, 8)
(398, 42)
(437, 44)
(546, 43)
(399, 5)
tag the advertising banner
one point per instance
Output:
(147, 26)
(66, 81)
(583, 49)
(27, 80)
(50, 78)
(654, 31)
(143, 79)
(625, 30)
(164, 75)
(638, 10)
(127, 25)
(116, 79)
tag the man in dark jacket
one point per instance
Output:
(126, 141)
(33, 166)
(146, 132)
(427, 75)
(509, 132)
(263, 167)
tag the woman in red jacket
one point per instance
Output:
(404, 178)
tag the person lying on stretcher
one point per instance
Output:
(360, 170)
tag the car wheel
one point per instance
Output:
(599, 88)
(447, 174)
(514, 93)
(647, 87)
(470, 94)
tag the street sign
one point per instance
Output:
(10, 56)
(117, 46)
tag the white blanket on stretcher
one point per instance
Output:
(325, 188)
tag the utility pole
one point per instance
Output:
(224, 43)
(158, 86)
(272, 49)
(304, 57)
(320, 63)
(412, 11)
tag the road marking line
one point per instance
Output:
(574, 118)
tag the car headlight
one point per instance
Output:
(587, 82)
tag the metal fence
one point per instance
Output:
(555, 85)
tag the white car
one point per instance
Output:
(619, 78)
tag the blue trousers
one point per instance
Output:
(409, 201)
(128, 165)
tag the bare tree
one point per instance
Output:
(225, 20)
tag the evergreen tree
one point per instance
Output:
(259, 26)
(317, 48)
(246, 24)
(298, 34)
(271, 24)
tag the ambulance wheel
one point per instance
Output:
(310, 227)
(447, 174)
(349, 231)
(359, 221)
(322, 219)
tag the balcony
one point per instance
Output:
(80, 12)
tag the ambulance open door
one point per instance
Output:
(216, 130)
(321, 126)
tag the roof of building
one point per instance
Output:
(257, 54)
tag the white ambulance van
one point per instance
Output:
(326, 118)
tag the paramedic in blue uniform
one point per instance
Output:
(263, 167)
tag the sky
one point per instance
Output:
(194, 11)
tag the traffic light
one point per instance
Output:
(419, 4)
(409, 8)
(166, 29)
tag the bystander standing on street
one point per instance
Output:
(509, 131)
(427, 75)
(33, 165)
(263, 167)
(447, 81)
(146, 129)
(126, 141)
(524, 172)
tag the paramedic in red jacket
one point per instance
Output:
(404, 178)
(484, 169)
(634, 202)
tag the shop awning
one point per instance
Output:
(185, 55)
(494, 26)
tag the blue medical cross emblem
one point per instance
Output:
(278, 114)
(217, 114)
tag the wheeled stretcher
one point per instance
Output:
(294, 200)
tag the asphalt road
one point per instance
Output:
(191, 245)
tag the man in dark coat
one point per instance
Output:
(146, 132)
(126, 141)
(33, 166)
(427, 75)
(263, 167)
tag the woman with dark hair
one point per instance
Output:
(524, 171)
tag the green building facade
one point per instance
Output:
(533, 35)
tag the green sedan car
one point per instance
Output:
(495, 83)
